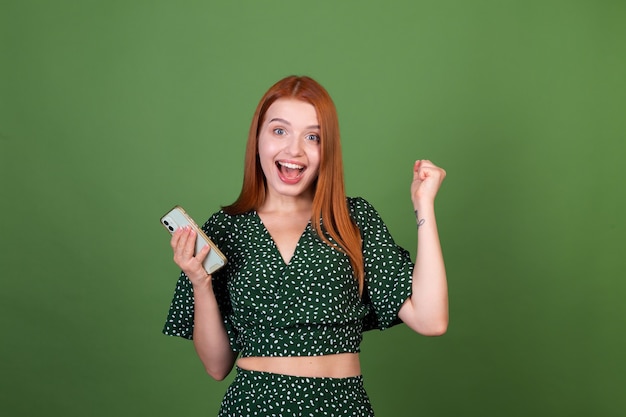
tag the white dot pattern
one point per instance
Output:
(265, 394)
(307, 307)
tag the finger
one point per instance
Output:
(421, 169)
(190, 243)
(181, 250)
(179, 238)
(203, 253)
(175, 238)
(432, 170)
(416, 169)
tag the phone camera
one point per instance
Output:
(169, 224)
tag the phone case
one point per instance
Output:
(177, 217)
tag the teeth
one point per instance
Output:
(290, 165)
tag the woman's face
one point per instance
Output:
(289, 148)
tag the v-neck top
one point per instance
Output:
(309, 306)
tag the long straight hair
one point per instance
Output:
(331, 217)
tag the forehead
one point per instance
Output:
(296, 112)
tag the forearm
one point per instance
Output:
(426, 310)
(209, 337)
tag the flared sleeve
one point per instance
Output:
(388, 268)
(180, 317)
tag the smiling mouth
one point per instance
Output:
(290, 170)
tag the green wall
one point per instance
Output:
(111, 112)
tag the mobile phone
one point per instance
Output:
(176, 218)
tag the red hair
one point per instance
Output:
(329, 201)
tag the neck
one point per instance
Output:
(287, 204)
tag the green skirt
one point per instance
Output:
(254, 393)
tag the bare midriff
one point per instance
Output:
(340, 365)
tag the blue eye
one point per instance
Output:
(315, 138)
(279, 131)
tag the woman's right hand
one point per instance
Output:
(210, 338)
(183, 244)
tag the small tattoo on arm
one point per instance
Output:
(419, 221)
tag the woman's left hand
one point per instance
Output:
(427, 178)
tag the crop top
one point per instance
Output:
(307, 307)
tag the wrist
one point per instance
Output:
(202, 284)
(419, 220)
(424, 213)
(424, 206)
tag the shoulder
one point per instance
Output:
(359, 205)
(220, 217)
(361, 210)
(224, 218)
(222, 224)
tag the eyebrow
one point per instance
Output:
(278, 119)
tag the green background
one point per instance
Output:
(112, 111)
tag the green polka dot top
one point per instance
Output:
(310, 306)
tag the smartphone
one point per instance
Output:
(176, 218)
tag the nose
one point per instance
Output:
(295, 146)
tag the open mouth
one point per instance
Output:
(290, 170)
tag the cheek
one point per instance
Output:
(315, 157)
(264, 149)
(266, 162)
(265, 156)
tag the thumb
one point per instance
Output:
(416, 169)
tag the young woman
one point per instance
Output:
(308, 270)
